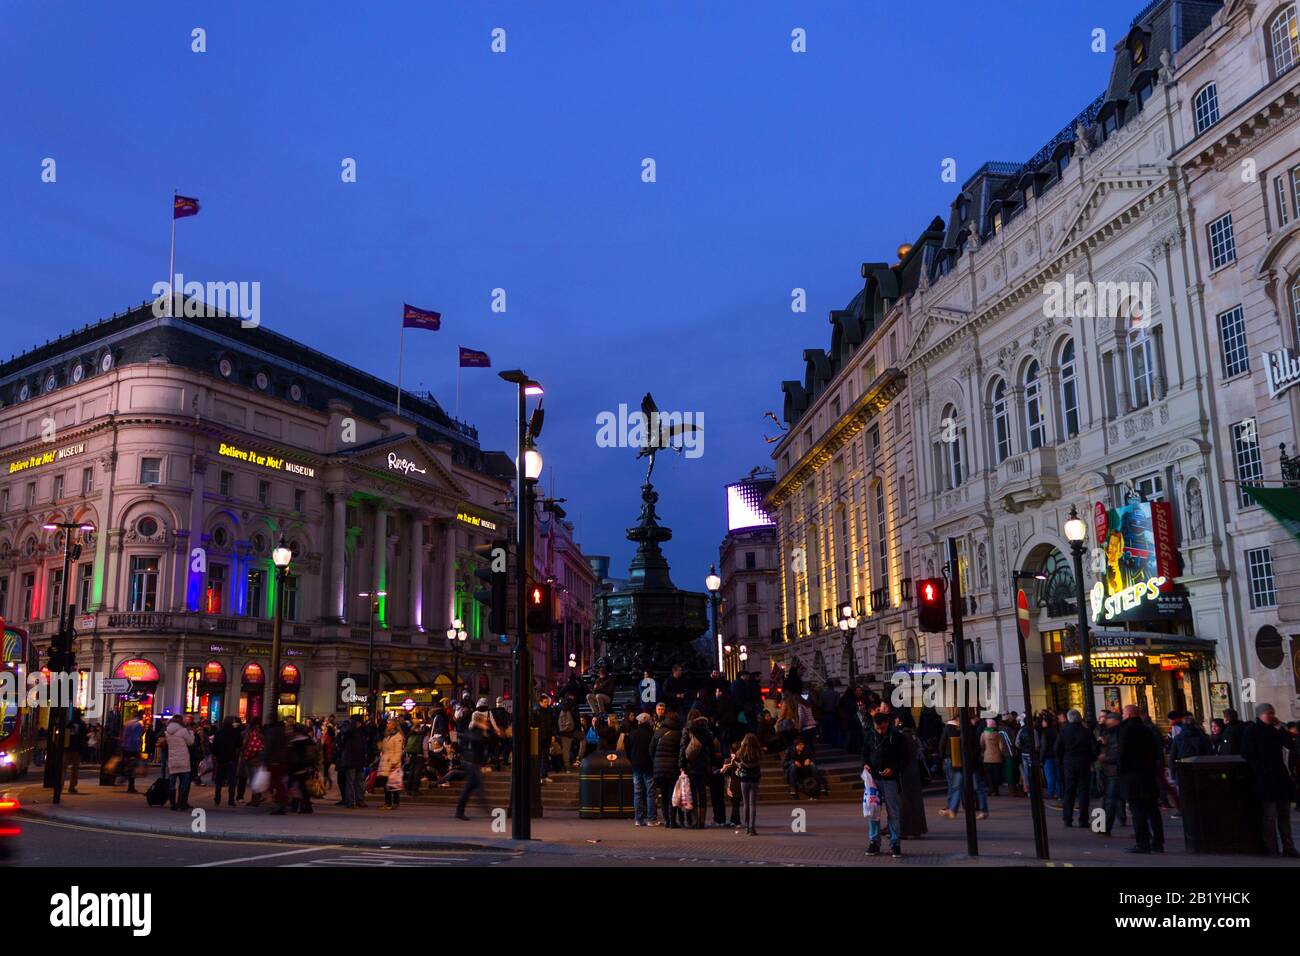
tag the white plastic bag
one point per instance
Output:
(261, 781)
(870, 796)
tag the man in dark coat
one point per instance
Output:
(544, 721)
(885, 754)
(1267, 747)
(1140, 751)
(1076, 749)
(1113, 798)
(1230, 739)
(665, 759)
(676, 693)
(637, 747)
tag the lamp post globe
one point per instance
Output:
(1076, 530)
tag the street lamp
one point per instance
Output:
(1075, 531)
(848, 627)
(372, 689)
(63, 646)
(1036, 809)
(713, 583)
(456, 634)
(522, 776)
(280, 557)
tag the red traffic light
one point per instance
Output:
(929, 593)
(932, 615)
(536, 597)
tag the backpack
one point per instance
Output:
(693, 748)
(565, 722)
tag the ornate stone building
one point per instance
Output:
(193, 446)
(1238, 96)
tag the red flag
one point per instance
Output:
(183, 206)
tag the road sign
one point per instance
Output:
(116, 685)
(1022, 613)
(86, 622)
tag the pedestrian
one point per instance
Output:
(1113, 808)
(748, 762)
(800, 767)
(543, 718)
(912, 821)
(787, 723)
(390, 764)
(675, 692)
(994, 753)
(276, 751)
(956, 758)
(566, 729)
(885, 755)
(254, 756)
(502, 732)
(828, 706)
(78, 747)
(304, 767)
(602, 692)
(413, 753)
(178, 738)
(1049, 731)
(807, 722)
(132, 741)
(696, 756)
(664, 747)
(1076, 749)
(354, 756)
(1230, 740)
(225, 756)
(473, 754)
(1267, 747)
(637, 747)
(1139, 770)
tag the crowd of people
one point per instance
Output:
(696, 752)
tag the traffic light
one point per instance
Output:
(933, 611)
(492, 572)
(541, 614)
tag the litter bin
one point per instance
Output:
(1220, 810)
(605, 786)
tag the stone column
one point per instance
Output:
(415, 578)
(381, 558)
(338, 554)
(449, 568)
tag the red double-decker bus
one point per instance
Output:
(19, 723)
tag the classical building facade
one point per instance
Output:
(749, 565)
(1055, 347)
(845, 493)
(194, 446)
(1239, 123)
(558, 557)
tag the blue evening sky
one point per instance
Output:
(522, 171)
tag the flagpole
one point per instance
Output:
(401, 339)
(458, 387)
(171, 262)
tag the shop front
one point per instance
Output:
(414, 693)
(289, 701)
(139, 700)
(205, 691)
(252, 687)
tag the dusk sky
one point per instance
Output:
(522, 171)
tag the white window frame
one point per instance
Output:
(1283, 43)
(1205, 107)
(1035, 421)
(1222, 244)
(141, 581)
(1263, 583)
(145, 471)
(1140, 368)
(1069, 391)
(1001, 422)
(1247, 462)
(1232, 342)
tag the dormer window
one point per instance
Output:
(1139, 52)
(1062, 162)
(997, 222)
(963, 211)
(1109, 125)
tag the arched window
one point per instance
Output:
(1141, 364)
(1069, 392)
(1205, 107)
(888, 655)
(1035, 427)
(1284, 41)
(950, 444)
(1001, 422)
(1295, 309)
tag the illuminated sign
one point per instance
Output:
(1120, 679)
(46, 458)
(266, 461)
(289, 674)
(1282, 369)
(253, 673)
(745, 505)
(214, 673)
(476, 521)
(404, 465)
(137, 670)
(1141, 563)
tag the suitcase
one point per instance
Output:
(156, 795)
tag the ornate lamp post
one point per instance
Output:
(1075, 531)
(456, 635)
(714, 583)
(372, 689)
(280, 557)
(849, 627)
(1036, 809)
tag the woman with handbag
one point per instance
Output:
(664, 754)
(390, 763)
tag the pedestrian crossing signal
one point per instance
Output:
(541, 616)
(932, 612)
